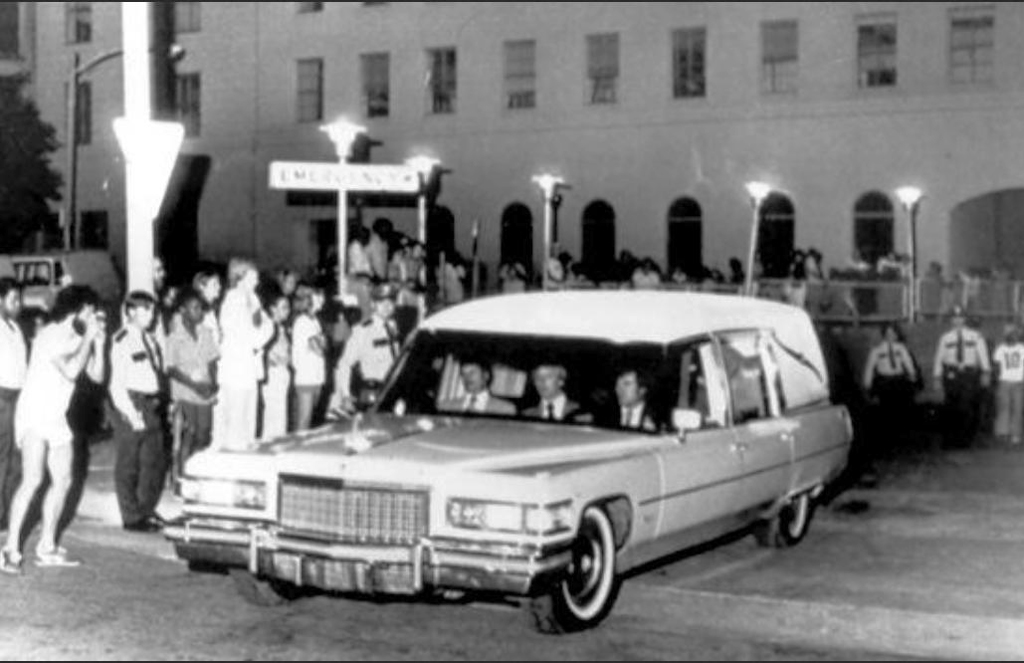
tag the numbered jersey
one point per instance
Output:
(1010, 359)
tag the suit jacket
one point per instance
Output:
(494, 405)
(572, 412)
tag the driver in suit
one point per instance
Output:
(634, 412)
(476, 380)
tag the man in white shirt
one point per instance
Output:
(478, 399)
(961, 372)
(13, 363)
(631, 393)
(549, 380)
(372, 348)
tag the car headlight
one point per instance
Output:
(509, 516)
(225, 492)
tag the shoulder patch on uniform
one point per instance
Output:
(119, 336)
(366, 323)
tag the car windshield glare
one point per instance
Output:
(567, 381)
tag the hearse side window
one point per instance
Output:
(700, 385)
(743, 359)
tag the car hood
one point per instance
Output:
(457, 443)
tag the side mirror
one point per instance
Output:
(685, 420)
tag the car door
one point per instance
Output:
(764, 437)
(703, 466)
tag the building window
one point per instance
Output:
(876, 52)
(441, 74)
(873, 227)
(94, 233)
(83, 113)
(971, 45)
(309, 7)
(779, 56)
(685, 241)
(187, 16)
(603, 68)
(311, 90)
(776, 231)
(520, 74)
(188, 92)
(688, 51)
(78, 22)
(376, 83)
(9, 46)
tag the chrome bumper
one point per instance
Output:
(368, 568)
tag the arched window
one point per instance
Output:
(517, 236)
(440, 231)
(873, 226)
(598, 250)
(775, 235)
(685, 238)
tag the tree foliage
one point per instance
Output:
(27, 182)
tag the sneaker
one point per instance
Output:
(56, 557)
(10, 562)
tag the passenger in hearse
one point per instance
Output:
(632, 408)
(475, 374)
(549, 380)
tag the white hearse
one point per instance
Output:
(419, 496)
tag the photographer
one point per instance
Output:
(63, 348)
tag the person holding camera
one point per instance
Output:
(72, 342)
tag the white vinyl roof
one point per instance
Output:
(619, 316)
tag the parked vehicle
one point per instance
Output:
(416, 496)
(43, 274)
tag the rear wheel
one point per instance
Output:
(586, 592)
(790, 525)
(265, 592)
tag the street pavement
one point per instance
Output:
(932, 569)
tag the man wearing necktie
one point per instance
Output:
(369, 352)
(961, 372)
(890, 381)
(549, 380)
(631, 393)
(139, 397)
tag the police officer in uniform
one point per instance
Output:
(138, 393)
(961, 372)
(369, 352)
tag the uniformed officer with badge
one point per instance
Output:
(139, 397)
(961, 372)
(369, 352)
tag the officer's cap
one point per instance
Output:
(140, 298)
(383, 291)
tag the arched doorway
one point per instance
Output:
(775, 235)
(873, 226)
(685, 237)
(517, 236)
(985, 231)
(440, 232)
(598, 243)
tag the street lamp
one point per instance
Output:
(910, 197)
(343, 134)
(757, 191)
(549, 185)
(424, 167)
(175, 53)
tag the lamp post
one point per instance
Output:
(549, 186)
(757, 191)
(343, 134)
(910, 197)
(424, 167)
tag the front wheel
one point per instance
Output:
(790, 525)
(587, 590)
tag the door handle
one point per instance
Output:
(739, 447)
(787, 437)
